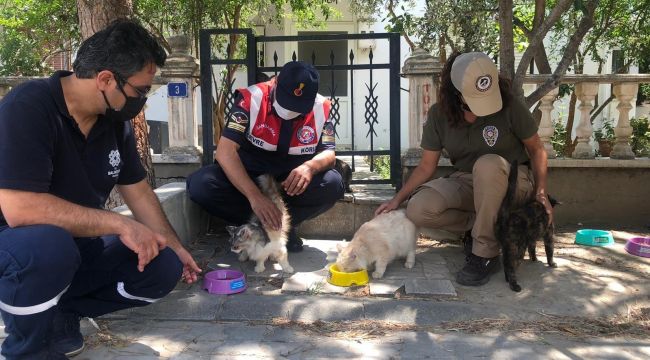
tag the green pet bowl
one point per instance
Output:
(591, 237)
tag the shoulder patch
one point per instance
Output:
(328, 133)
(239, 117)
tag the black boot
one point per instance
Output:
(477, 270)
(294, 244)
(66, 334)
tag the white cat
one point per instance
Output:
(253, 241)
(379, 241)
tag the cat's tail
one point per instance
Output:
(509, 199)
(271, 189)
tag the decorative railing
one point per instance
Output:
(423, 93)
(625, 87)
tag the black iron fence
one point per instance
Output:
(251, 56)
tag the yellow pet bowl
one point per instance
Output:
(339, 278)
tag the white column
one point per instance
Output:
(624, 93)
(546, 127)
(181, 67)
(586, 93)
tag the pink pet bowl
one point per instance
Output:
(224, 282)
(639, 246)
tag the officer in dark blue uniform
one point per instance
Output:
(64, 143)
(280, 127)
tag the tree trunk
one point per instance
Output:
(94, 16)
(442, 48)
(568, 149)
(572, 47)
(506, 41)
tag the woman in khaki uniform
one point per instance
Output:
(483, 128)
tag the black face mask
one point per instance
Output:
(131, 108)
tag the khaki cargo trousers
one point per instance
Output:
(465, 201)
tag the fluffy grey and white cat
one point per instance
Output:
(379, 241)
(255, 242)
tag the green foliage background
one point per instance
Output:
(33, 30)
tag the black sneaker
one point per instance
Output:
(295, 243)
(467, 241)
(477, 270)
(66, 334)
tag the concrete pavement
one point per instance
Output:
(487, 322)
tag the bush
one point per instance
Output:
(558, 139)
(606, 132)
(644, 94)
(381, 165)
(640, 139)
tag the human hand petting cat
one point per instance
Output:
(543, 199)
(388, 206)
(267, 212)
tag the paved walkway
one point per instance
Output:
(299, 316)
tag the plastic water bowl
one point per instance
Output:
(224, 282)
(639, 246)
(591, 237)
(340, 278)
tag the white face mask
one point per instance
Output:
(284, 113)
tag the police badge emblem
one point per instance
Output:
(306, 134)
(490, 135)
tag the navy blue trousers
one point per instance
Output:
(44, 269)
(210, 188)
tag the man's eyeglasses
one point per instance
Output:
(142, 91)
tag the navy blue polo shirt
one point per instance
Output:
(279, 162)
(43, 150)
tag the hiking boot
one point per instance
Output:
(477, 270)
(294, 244)
(66, 334)
(467, 241)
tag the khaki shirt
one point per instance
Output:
(500, 133)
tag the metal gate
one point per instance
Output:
(252, 56)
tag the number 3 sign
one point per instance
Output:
(177, 89)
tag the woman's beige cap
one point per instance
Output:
(477, 78)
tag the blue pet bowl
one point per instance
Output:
(591, 237)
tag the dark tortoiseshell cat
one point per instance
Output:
(519, 228)
(346, 173)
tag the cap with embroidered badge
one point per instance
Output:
(297, 86)
(476, 77)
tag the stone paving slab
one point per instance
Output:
(302, 308)
(385, 287)
(311, 282)
(428, 287)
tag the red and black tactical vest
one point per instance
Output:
(264, 125)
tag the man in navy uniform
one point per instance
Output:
(279, 127)
(64, 143)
